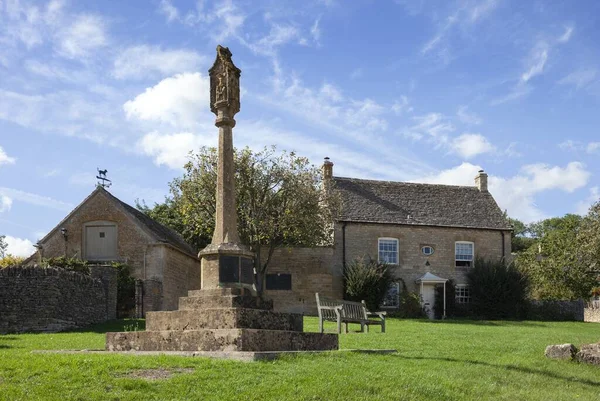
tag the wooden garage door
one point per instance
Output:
(101, 242)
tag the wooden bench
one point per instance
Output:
(346, 312)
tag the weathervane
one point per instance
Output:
(103, 181)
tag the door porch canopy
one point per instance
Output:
(430, 278)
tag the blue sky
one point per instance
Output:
(406, 90)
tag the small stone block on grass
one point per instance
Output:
(589, 353)
(561, 351)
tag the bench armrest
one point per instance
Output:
(380, 314)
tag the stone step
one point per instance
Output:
(218, 291)
(223, 318)
(220, 340)
(224, 301)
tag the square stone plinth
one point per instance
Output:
(221, 340)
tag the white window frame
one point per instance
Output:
(379, 240)
(464, 260)
(392, 293)
(461, 296)
(427, 246)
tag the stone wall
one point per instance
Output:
(557, 310)
(312, 271)
(362, 239)
(35, 299)
(181, 274)
(591, 313)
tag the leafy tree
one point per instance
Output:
(3, 246)
(589, 239)
(558, 264)
(168, 213)
(10, 260)
(280, 202)
(520, 237)
(367, 279)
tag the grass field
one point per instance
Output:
(452, 360)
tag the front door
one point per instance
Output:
(428, 299)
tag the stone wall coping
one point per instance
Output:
(39, 271)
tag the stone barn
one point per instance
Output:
(103, 229)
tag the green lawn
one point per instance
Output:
(453, 360)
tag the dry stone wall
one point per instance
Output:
(36, 299)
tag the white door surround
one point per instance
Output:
(427, 284)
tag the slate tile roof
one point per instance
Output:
(161, 232)
(419, 204)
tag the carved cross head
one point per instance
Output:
(224, 83)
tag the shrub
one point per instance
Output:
(10, 260)
(410, 305)
(498, 290)
(72, 264)
(125, 290)
(367, 279)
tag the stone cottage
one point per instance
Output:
(103, 228)
(428, 233)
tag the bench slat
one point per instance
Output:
(341, 311)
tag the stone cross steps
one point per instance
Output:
(223, 318)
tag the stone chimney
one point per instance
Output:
(327, 169)
(481, 181)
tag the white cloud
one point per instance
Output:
(459, 19)
(278, 36)
(566, 35)
(518, 91)
(172, 149)
(169, 11)
(578, 146)
(401, 106)
(35, 199)
(139, 62)
(19, 247)
(69, 113)
(86, 34)
(593, 147)
(6, 159)
(433, 126)
(570, 144)
(579, 78)
(356, 73)
(180, 101)
(222, 21)
(517, 194)
(468, 117)
(584, 206)
(315, 31)
(536, 61)
(481, 10)
(470, 145)
(358, 122)
(5, 203)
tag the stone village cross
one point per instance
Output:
(224, 316)
(225, 262)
